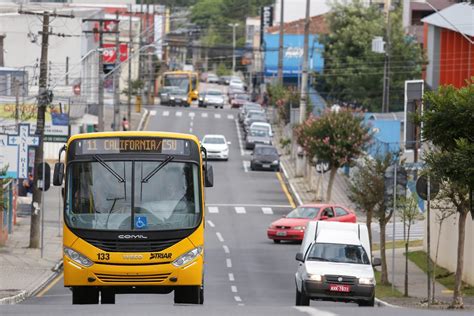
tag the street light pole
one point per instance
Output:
(233, 25)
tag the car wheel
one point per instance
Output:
(215, 107)
(222, 107)
(276, 241)
(369, 303)
(107, 296)
(301, 298)
(252, 167)
(188, 295)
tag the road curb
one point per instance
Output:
(291, 188)
(54, 273)
(143, 120)
(382, 303)
(15, 299)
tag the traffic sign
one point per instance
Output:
(322, 166)
(422, 187)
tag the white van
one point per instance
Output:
(335, 264)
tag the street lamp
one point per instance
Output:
(233, 25)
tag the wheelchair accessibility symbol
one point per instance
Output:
(140, 222)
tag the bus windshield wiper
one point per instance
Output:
(158, 168)
(109, 169)
(317, 258)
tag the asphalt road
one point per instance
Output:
(246, 273)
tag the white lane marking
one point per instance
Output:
(291, 186)
(179, 113)
(246, 165)
(190, 129)
(240, 138)
(237, 299)
(241, 304)
(191, 123)
(152, 113)
(252, 205)
(228, 263)
(226, 249)
(219, 236)
(231, 277)
(267, 210)
(248, 152)
(233, 288)
(230, 117)
(217, 116)
(213, 209)
(191, 115)
(166, 113)
(240, 210)
(311, 311)
(211, 223)
(203, 114)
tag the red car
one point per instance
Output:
(293, 225)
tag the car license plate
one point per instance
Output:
(266, 166)
(281, 233)
(339, 288)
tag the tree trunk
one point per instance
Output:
(332, 175)
(368, 220)
(457, 296)
(436, 261)
(406, 259)
(383, 258)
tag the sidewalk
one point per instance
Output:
(23, 272)
(302, 189)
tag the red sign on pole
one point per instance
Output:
(109, 55)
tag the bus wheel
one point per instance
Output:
(85, 295)
(107, 296)
(188, 295)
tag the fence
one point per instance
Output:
(7, 209)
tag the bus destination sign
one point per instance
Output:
(115, 145)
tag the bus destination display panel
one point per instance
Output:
(115, 145)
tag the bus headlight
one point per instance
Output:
(187, 257)
(77, 257)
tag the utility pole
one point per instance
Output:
(17, 102)
(130, 43)
(233, 25)
(67, 71)
(117, 75)
(2, 37)
(280, 43)
(101, 32)
(304, 75)
(43, 101)
(386, 72)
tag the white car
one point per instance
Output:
(335, 264)
(237, 84)
(262, 125)
(216, 146)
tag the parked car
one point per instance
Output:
(257, 136)
(239, 99)
(265, 157)
(213, 98)
(232, 92)
(179, 97)
(293, 225)
(224, 80)
(237, 83)
(263, 125)
(216, 146)
(212, 78)
(335, 264)
(247, 107)
(252, 117)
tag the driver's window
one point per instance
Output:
(328, 212)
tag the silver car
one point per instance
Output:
(213, 98)
(257, 136)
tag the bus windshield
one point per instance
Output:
(177, 80)
(165, 195)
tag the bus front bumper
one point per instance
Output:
(109, 274)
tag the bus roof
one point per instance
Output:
(134, 134)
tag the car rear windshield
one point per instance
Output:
(338, 253)
(214, 140)
(214, 93)
(259, 132)
(267, 151)
(304, 212)
(242, 97)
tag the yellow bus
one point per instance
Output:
(133, 215)
(186, 80)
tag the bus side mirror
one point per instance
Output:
(58, 175)
(209, 177)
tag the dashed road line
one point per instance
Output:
(213, 209)
(267, 210)
(191, 114)
(246, 165)
(231, 277)
(217, 115)
(211, 223)
(203, 114)
(240, 138)
(233, 288)
(166, 113)
(237, 299)
(179, 113)
(191, 123)
(226, 249)
(219, 236)
(230, 117)
(190, 129)
(228, 263)
(240, 210)
(152, 113)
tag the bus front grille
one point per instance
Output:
(133, 246)
(117, 278)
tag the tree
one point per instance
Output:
(410, 212)
(353, 73)
(204, 12)
(447, 124)
(337, 137)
